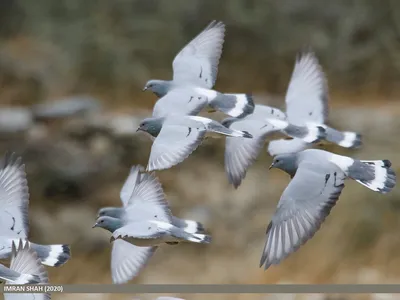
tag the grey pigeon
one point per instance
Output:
(145, 224)
(317, 181)
(307, 101)
(195, 70)
(14, 223)
(25, 268)
(125, 195)
(265, 122)
(176, 137)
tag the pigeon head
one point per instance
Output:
(115, 212)
(109, 223)
(158, 87)
(285, 162)
(151, 125)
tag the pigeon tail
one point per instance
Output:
(234, 105)
(188, 225)
(200, 238)
(344, 139)
(376, 175)
(310, 133)
(52, 255)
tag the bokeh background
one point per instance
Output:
(71, 75)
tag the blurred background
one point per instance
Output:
(71, 75)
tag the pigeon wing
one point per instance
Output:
(14, 198)
(303, 207)
(128, 260)
(130, 183)
(174, 144)
(148, 202)
(197, 63)
(241, 153)
(181, 101)
(307, 94)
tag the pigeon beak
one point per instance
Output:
(271, 166)
(144, 89)
(95, 225)
(138, 129)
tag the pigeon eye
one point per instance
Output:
(277, 160)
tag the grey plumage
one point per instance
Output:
(25, 268)
(188, 225)
(307, 101)
(195, 70)
(264, 123)
(317, 182)
(178, 136)
(14, 223)
(142, 224)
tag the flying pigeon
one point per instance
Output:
(176, 137)
(317, 181)
(14, 223)
(265, 122)
(145, 223)
(307, 101)
(195, 70)
(25, 268)
(125, 195)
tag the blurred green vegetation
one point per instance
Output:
(112, 48)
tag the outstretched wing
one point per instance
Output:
(25, 262)
(241, 153)
(148, 201)
(197, 63)
(181, 101)
(307, 94)
(128, 260)
(14, 198)
(174, 144)
(303, 207)
(130, 183)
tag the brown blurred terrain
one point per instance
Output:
(107, 50)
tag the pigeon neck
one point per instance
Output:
(114, 225)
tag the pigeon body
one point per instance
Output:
(317, 181)
(263, 124)
(195, 70)
(176, 137)
(14, 224)
(187, 225)
(142, 224)
(25, 268)
(307, 101)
